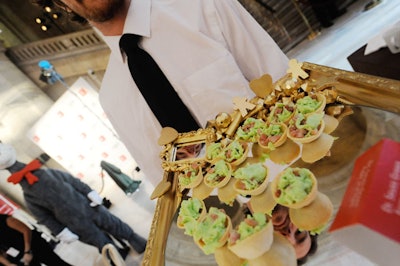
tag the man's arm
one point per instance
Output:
(253, 48)
(5, 261)
(27, 234)
(23, 229)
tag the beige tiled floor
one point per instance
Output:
(331, 48)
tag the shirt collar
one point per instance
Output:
(137, 22)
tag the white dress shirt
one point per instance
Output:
(208, 49)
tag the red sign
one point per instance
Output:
(7, 206)
(368, 219)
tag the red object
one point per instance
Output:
(7, 206)
(369, 214)
(25, 172)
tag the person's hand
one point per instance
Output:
(27, 258)
(95, 198)
(66, 236)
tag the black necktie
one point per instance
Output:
(155, 87)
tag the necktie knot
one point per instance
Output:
(154, 86)
(129, 42)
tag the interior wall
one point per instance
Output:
(22, 103)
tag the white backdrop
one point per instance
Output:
(77, 134)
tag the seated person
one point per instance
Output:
(18, 243)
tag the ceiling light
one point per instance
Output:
(56, 15)
(44, 28)
(47, 9)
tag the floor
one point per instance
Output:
(350, 32)
(331, 47)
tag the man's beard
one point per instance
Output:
(110, 9)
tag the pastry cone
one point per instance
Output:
(286, 153)
(294, 187)
(331, 123)
(236, 147)
(227, 194)
(218, 174)
(253, 245)
(202, 191)
(317, 149)
(305, 105)
(248, 131)
(273, 136)
(258, 190)
(281, 253)
(237, 162)
(225, 257)
(282, 112)
(258, 152)
(303, 134)
(251, 179)
(212, 230)
(264, 202)
(314, 216)
(321, 98)
(191, 177)
(213, 150)
(191, 210)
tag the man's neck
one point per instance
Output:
(115, 26)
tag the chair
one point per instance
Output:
(111, 256)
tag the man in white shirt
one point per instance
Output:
(208, 49)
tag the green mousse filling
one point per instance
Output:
(269, 135)
(189, 213)
(189, 175)
(294, 185)
(309, 124)
(210, 230)
(248, 131)
(232, 152)
(251, 225)
(251, 175)
(307, 105)
(217, 172)
(213, 150)
(283, 115)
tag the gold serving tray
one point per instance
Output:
(375, 103)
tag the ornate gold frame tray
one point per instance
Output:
(362, 104)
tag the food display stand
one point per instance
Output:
(369, 111)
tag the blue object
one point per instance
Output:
(45, 64)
